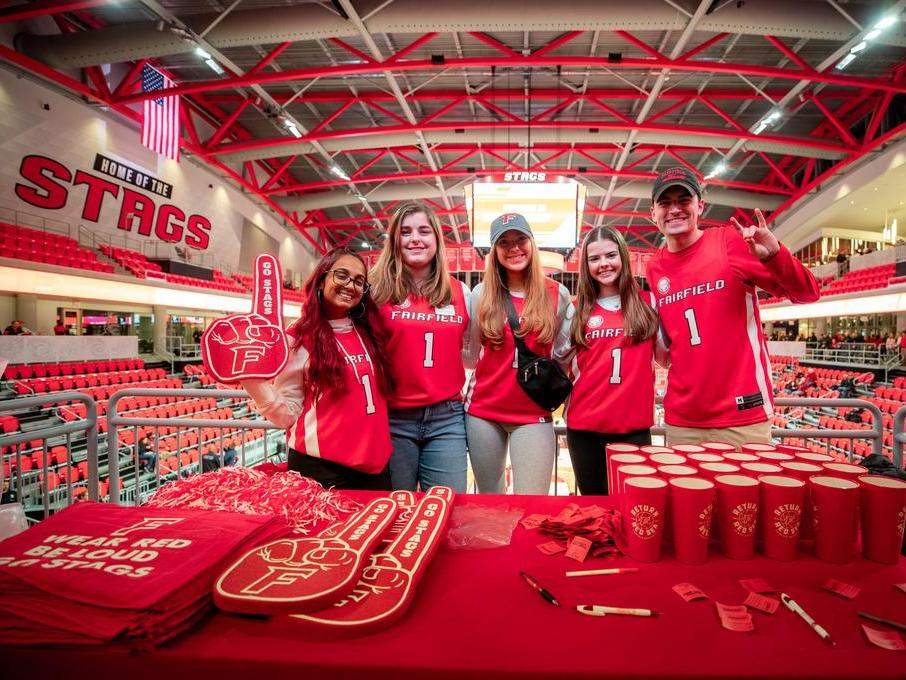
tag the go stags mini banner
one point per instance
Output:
(304, 574)
(242, 346)
(387, 586)
(46, 183)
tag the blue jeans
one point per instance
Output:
(429, 447)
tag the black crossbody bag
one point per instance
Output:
(540, 378)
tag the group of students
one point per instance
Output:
(371, 396)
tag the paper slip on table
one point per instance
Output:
(474, 617)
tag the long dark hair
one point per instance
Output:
(323, 373)
(639, 319)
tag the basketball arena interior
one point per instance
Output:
(151, 150)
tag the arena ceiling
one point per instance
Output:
(331, 113)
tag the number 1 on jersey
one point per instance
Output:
(694, 337)
(429, 350)
(369, 397)
(617, 355)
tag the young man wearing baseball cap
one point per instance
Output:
(704, 282)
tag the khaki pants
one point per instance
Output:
(744, 434)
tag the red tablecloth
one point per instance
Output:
(474, 617)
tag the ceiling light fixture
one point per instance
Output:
(884, 23)
(339, 172)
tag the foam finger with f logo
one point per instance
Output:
(388, 583)
(293, 575)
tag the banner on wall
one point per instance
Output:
(49, 184)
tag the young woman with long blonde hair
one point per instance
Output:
(614, 336)
(499, 412)
(424, 313)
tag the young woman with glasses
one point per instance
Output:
(424, 315)
(614, 336)
(332, 395)
(499, 413)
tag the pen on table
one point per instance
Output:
(543, 592)
(886, 622)
(603, 610)
(603, 572)
(794, 607)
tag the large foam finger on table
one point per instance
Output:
(388, 584)
(304, 574)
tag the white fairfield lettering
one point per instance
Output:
(699, 289)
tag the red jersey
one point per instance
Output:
(613, 379)
(348, 426)
(424, 347)
(720, 373)
(493, 392)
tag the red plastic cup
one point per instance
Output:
(738, 458)
(756, 448)
(668, 472)
(802, 470)
(622, 447)
(782, 501)
(717, 447)
(692, 510)
(711, 470)
(775, 456)
(644, 504)
(666, 459)
(761, 469)
(883, 507)
(686, 449)
(699, 458)
(812, 457)
(792, 448)
(613, 461)
(648, 449)
(844, 470)
(625, 471)
(737, 514)
(835, 517)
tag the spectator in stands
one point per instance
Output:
(196, 336)
(902, 346)
(890, 345)
(332, 395)
(841, 257)
(16, 328)
(705, 283)
(61, 328)
(147, 459)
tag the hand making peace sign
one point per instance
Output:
(761, 240)
(254, 345)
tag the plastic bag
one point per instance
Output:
(473, 527)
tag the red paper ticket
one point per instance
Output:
(735, 617)
(901, 586)
(766, 604)
(689, 592)
(841, 588)
(551, 548)
(885, 639)
(532, 521)
(757, 585)
(577, 548)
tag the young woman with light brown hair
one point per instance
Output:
(424, 313)
(614, 335)
(499, 412)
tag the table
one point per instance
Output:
(474, 617)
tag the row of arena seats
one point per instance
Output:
(289, 294)
(143, 268)
(80, 382)
(65, 368)
(861, 279)
(22, 243)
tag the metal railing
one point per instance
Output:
(88, 425)
(899, 437)
(115, 421)
(861, 355)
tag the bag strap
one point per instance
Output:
(513, 320)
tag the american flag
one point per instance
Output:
(160, 125)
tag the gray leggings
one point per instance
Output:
(533, 449)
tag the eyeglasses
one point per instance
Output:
(341, 277)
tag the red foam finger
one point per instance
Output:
(388, 583)
(268, 289)
(304, 574)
